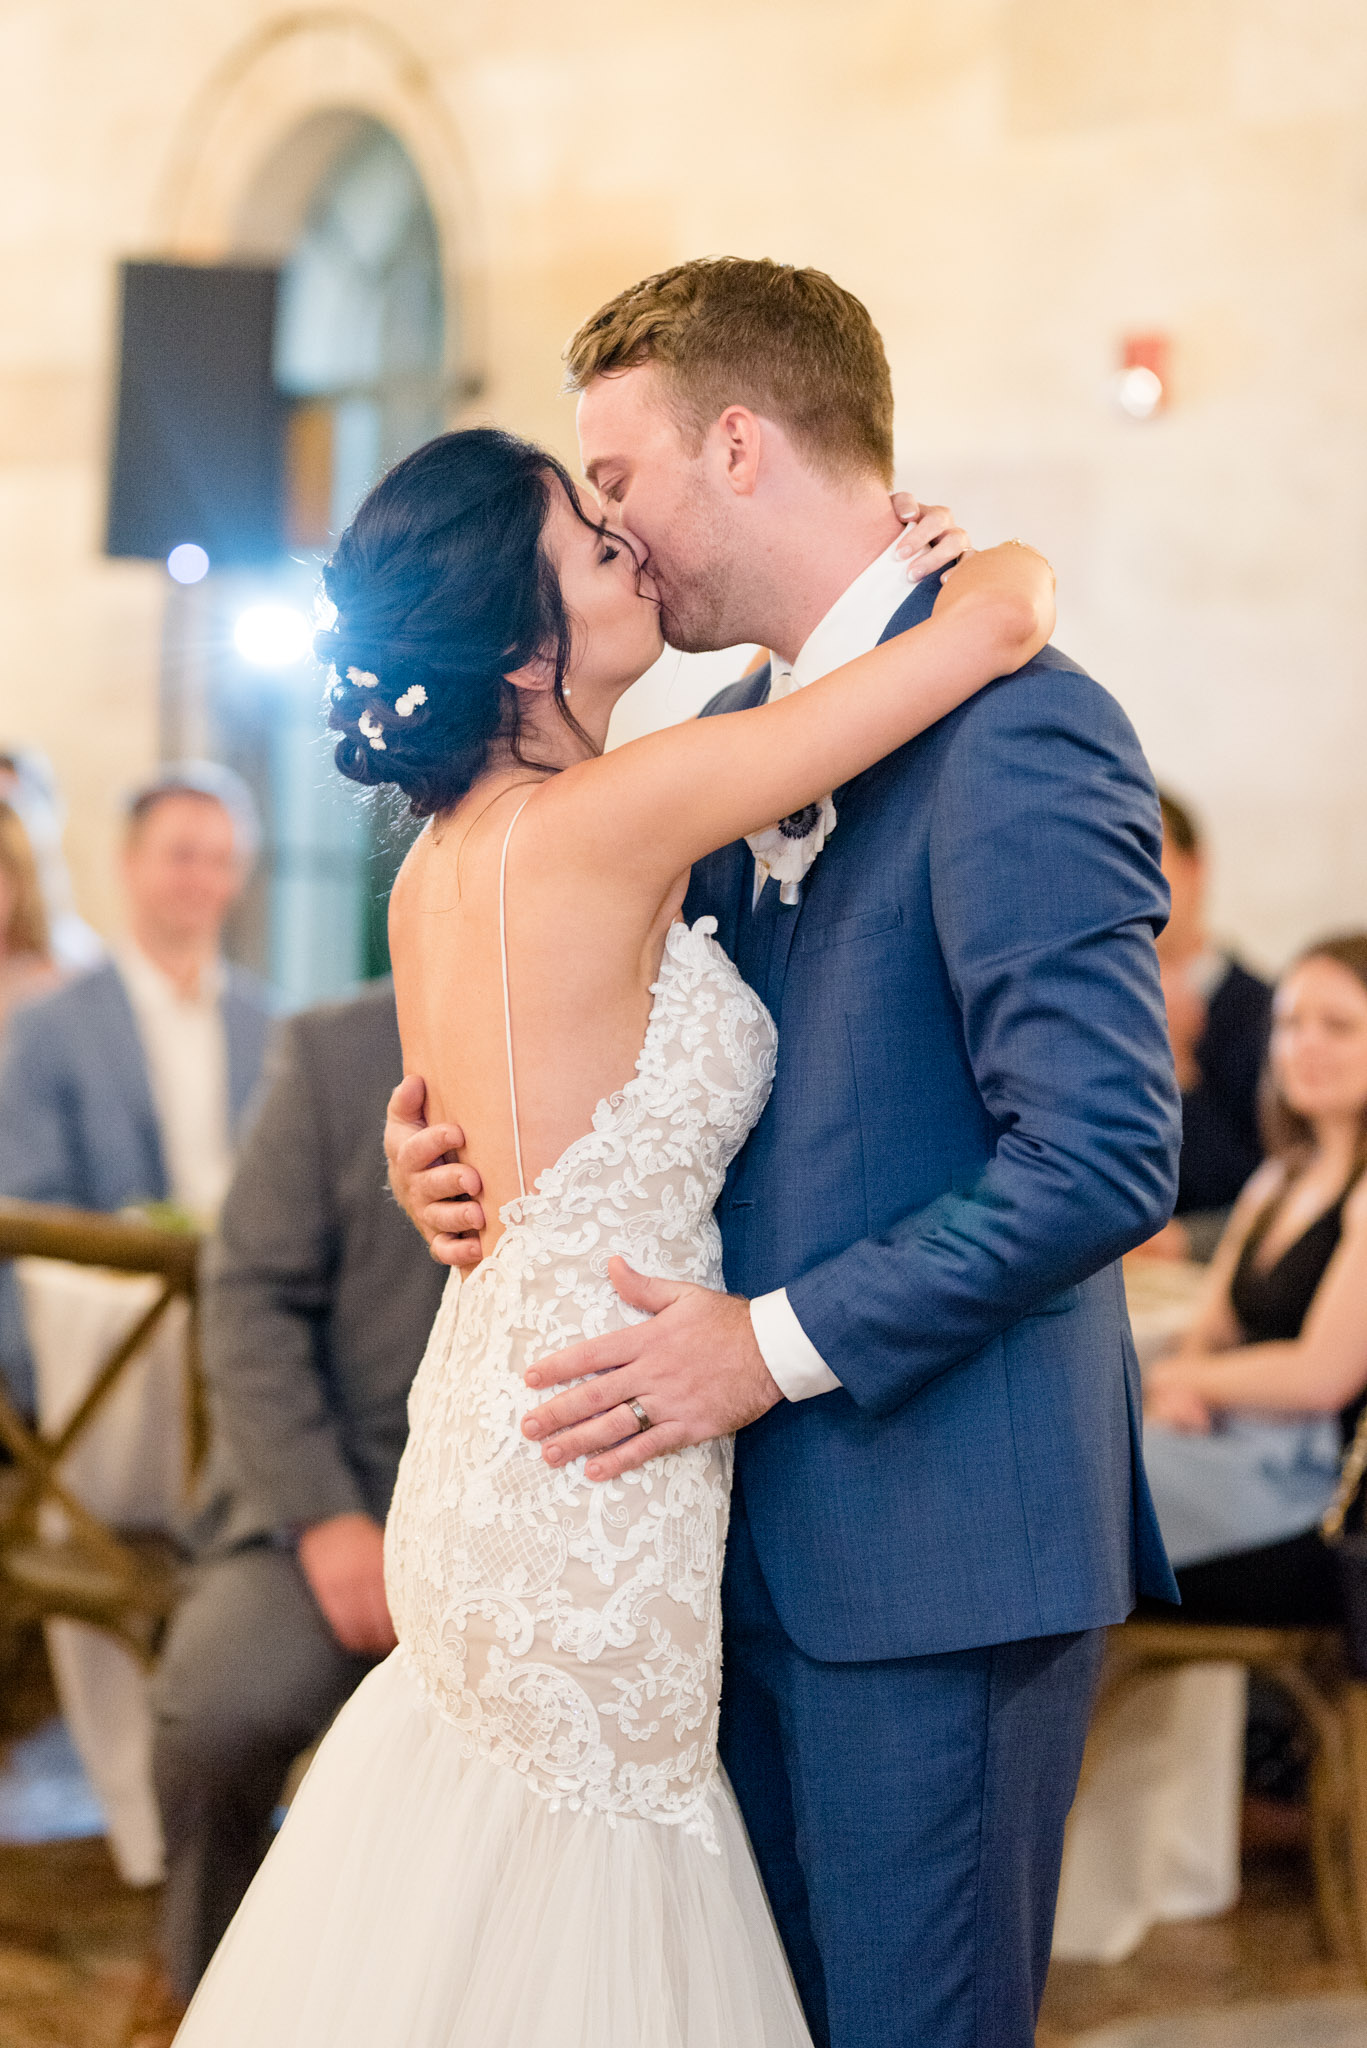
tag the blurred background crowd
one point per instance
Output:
(257, 254)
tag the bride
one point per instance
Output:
(516, 1834)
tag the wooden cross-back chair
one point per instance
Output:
(1309, 1668)
(123, 1582)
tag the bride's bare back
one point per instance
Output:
(581, 961)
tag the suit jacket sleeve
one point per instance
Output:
(40, 1159)
(1046, 895)
(269, 1288)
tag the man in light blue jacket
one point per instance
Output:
(128, 1084)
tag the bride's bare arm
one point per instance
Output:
(666, 800)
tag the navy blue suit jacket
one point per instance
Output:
(974, 1116)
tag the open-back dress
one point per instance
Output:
(516, 1833)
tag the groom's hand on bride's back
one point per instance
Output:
(694, 1371)
(433, 1189)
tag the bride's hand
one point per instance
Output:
(933, 539)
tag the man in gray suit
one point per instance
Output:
(319, 1298)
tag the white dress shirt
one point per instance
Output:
(185, 1044)
(856, 622)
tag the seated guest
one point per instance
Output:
(26, 968)
(1245, 1423)
(29, 787)
(318, 1303)
(126, 1085)
(1218, 1017)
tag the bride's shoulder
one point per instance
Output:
(415, 870)
(418, 856)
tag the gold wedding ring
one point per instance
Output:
(642, 1419)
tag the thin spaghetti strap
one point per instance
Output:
(507, 1006)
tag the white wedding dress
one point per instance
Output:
(516, 1834)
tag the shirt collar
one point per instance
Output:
(152, 985)
(856, 621)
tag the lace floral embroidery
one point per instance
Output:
(572, 1632)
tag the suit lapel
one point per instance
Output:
(762, 935)
(777, 921)
(785, 917)
(764, 930)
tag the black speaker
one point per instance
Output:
(198, 451)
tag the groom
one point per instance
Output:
(940, 1501)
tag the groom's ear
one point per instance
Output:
(738, 437)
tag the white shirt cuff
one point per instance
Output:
(796, 1366)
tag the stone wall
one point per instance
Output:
(1013, 185)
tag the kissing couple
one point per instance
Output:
(808, 1073)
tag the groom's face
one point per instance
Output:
(665, 494)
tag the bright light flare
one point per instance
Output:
(187, 563)
(1139, 392)
(272, 635)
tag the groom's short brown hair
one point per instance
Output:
(733, 330)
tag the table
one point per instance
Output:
(1162, 1296)
(1154, 1831)
(131, 1468)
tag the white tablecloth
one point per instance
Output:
(129, 1468)
(1154, 1831)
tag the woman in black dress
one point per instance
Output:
(1279, 1346)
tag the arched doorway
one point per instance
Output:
(361, 324)
(361, 347)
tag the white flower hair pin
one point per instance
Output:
(410, 700)
(370, 725)
(363, 679)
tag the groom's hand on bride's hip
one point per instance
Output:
(429, 1184)
(694, 1371)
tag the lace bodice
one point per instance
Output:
(572, 1631)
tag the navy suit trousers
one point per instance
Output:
(908, 1819)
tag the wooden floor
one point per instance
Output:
(73, 1939)
(1268, 1948)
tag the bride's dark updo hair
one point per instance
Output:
(442, 588)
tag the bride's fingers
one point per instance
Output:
(906, 506)
(954, 547)
(926, 529)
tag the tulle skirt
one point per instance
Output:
(420, 1898)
